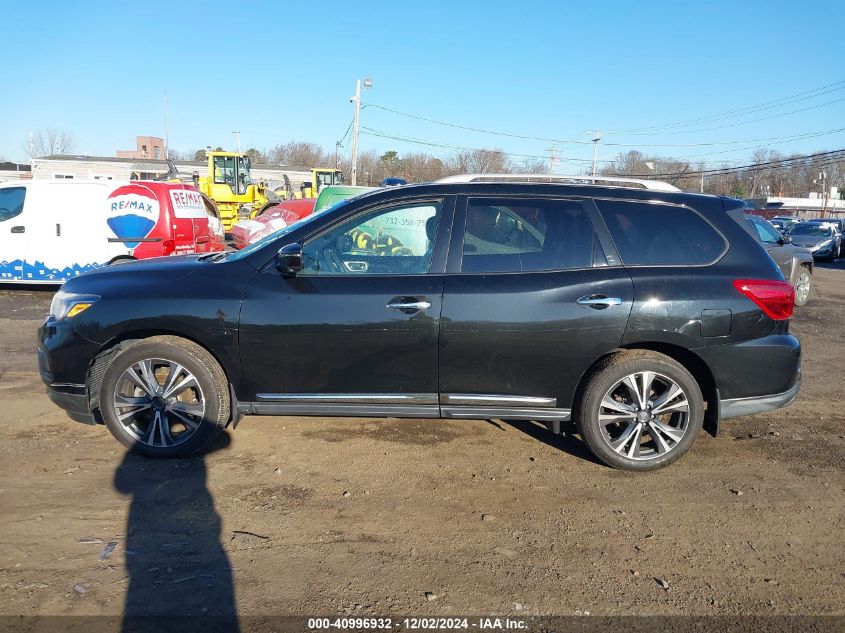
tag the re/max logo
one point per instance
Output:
(186, 198)
(129, 205)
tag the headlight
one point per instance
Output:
(66, 305)
(822, 245)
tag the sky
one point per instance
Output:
(705, 81)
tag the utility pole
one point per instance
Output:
(238, 138)
(702, 181)
(165, 126)
(595, 151)
(337, 155)
(356, 101)
(552, 158)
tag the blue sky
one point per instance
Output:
(281, 71)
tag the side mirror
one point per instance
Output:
(289, 259)
(785, 239)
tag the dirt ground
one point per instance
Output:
(324, 516)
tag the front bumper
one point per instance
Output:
(76, 404)
(63, 359)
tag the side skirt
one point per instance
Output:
(455, 406)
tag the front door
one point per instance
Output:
(355, 332)
(14, 237)
(530, 301)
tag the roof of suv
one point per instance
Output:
(608, 181)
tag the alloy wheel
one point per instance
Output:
(802, 287)
(644, 415)
(159, 402)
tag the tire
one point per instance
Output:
(175, 424)
(662, 437)
(802, 292)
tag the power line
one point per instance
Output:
(474, 129)
(809, 159)
(446, 146)
(758, 107)
(801, 96)
(722, 127)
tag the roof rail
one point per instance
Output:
(613, 181)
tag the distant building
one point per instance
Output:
(805, 208)
(146, 147)
(14, 171)
(63, 167)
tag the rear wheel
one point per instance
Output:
(640, 411)
(164, 397)
(803, 286)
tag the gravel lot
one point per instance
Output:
(338, 516)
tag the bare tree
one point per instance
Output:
(300, 154)
(49, 143)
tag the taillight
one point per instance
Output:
(775, 298)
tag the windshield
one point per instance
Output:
(810, 228)
(251, 248)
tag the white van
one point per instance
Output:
(53, 231)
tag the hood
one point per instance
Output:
(807, 241)
(133, 272)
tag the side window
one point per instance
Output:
(395, 241)
(224, 171)
(660, 234)
(527, 235)
(767, 234)
(11, 202)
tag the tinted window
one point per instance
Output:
(394, 241)
(522, 235)
(660, 235)
(11, 202)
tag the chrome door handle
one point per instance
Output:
(409, 306)
(598, 302)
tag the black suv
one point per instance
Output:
(634, 310)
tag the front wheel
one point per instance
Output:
(640, 411)
(164, 396)
(803, 285)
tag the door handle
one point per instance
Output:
(598, 302)
(18, 229)
(409, 305)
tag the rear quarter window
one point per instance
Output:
(648, 234)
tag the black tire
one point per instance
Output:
(799, 299)
(608, 376)
(211, 395)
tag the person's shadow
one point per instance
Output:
(179, 574)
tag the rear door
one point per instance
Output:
(190, 221)
(533, 296)
(14, 238)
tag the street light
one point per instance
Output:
(356, 101)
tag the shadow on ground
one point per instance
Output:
(176, 562)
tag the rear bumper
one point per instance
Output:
(759, 404)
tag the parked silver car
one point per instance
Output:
(823, 240)
(795, 262)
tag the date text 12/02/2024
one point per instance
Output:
(418, 623)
